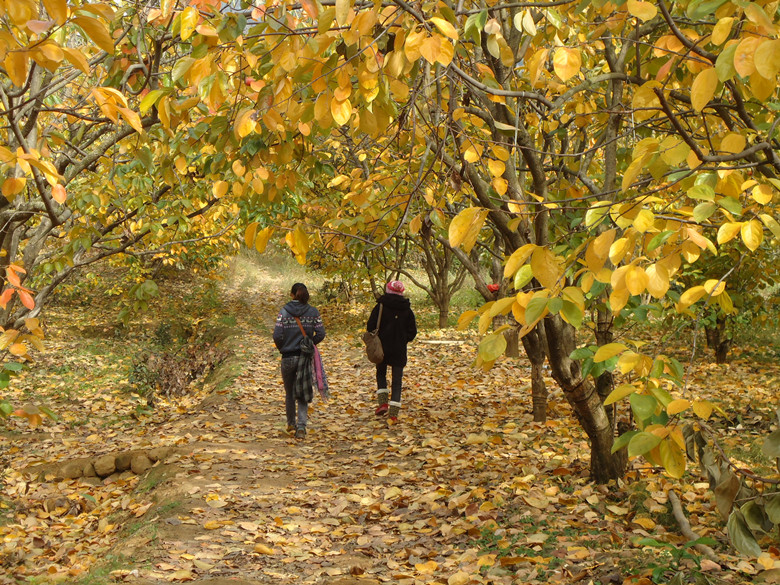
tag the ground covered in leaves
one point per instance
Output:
(466, 489)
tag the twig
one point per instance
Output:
(685, 527)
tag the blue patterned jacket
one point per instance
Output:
(287, 334)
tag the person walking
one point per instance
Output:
(397, 327)
(298, 329)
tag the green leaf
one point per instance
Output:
(703, 211)
(150, 99)
(13, 366)
(754, 515)
(724, 65)
(741, 536)
(731, 205)
(181, 68)
(623, 440)
(642, 443)
(703, 8)
(523, 276)
(772, 507)
(659, 240)
(5, 408)
(554, 305)
(573, 314)
(661, 395)
(535, 309)
(771, 446)
(492, 347)
(643, 406)
(581, 353)
(703, 192)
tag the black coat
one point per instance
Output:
(397, 328)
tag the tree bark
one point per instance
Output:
(716, 341)
(585, 401)
(533, 343)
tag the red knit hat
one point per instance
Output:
(395, 287)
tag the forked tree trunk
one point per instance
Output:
(585, 401)
(533, 343)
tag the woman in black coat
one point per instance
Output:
(396, 329)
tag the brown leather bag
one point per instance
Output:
(374, 351)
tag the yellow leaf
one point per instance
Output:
(767, 59)
(501, 306)
(57, 10)
(517, 259)
(496, 167)
(465, 320)
(189, 19)
(608, 351)
(644, 11)
(97, 31)
(16, 67)
(728, 231)
(619, 249)
(657, 280)
(721, 30)
(465, 227)
(702, 408)
(250, 234)
(620, 392)
(341, 111)
(692, 295)
(459, 578)
(132, 118)
(714, 287)
(12, 186)
(703, 88)
(636, 280)
(752, 234)
(343, 8)
(427, 568)
(220, 189)
(677, 406)
(672, 458)
(446, 53)
(744, 56)
(645, 523)
(262, 239)
(644, 220)
(566, 62)
(545, 267)
(18, 349)
(430, 48)
(733, 142)
(597, 252)
(445, 27)
(263, 549)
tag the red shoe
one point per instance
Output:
(381, 410)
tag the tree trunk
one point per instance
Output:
(585, 401)
(512, 343)
(444, 312)
(605, 383)
(533, 343)
(716, 341)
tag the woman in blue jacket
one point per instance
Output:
(288, 337)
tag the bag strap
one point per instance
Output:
(301, 326)
(379, 318)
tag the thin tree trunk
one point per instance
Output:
(534, 349)
(605, 383)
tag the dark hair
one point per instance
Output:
(300, 293)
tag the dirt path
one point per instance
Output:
(464, 490)
(358, 502)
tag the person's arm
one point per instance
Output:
(279, 331)
(371, 325)
(319, 329)
(411, 327)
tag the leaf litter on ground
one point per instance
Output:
(466, 489)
